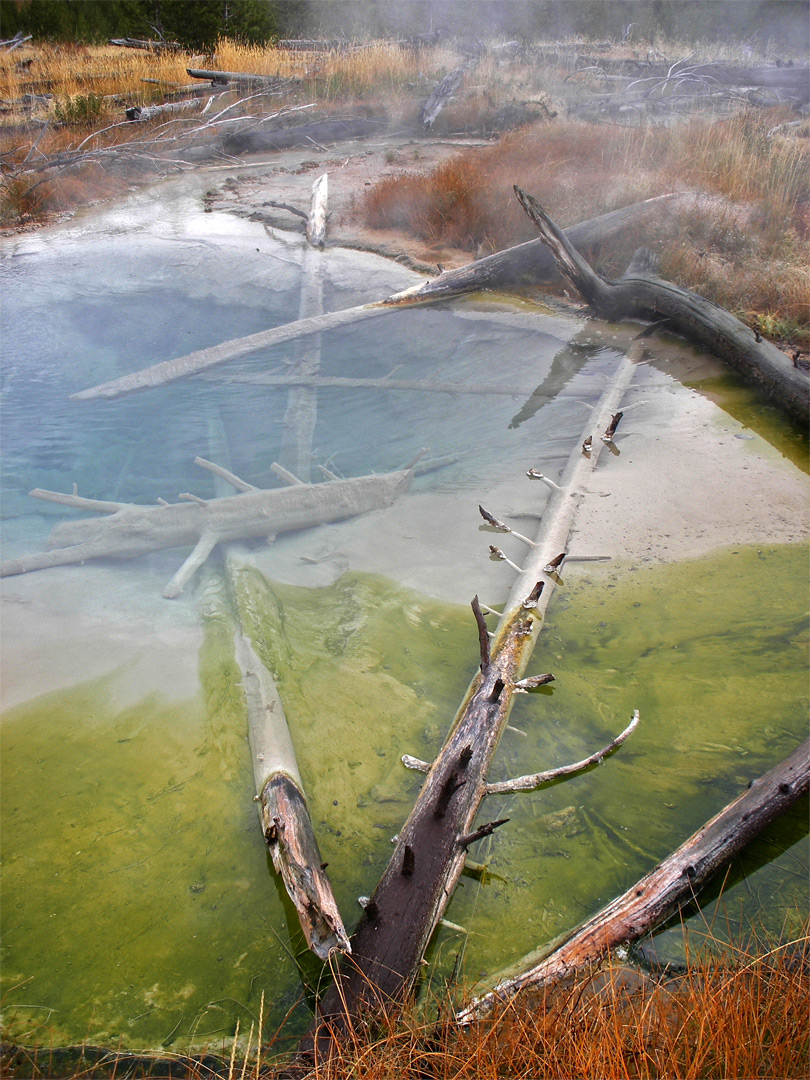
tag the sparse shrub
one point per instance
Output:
(81, 109)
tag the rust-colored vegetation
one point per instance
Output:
(745, 247)
(727, 1015)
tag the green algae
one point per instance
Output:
(745, 403)
(713, 653)
(139, 905)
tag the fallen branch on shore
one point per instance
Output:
(639, 293)
(669, 886)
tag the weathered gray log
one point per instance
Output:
(529, 262)
(670, 885)
(133, 530)
(235, 77)
(148, 46)
(149, 112)
(532, 263)
(316, 134)
(411, 897)
(639, 293)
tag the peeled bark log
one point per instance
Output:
(135, 530)
(673, 883)
(431, 849)
(639, 293)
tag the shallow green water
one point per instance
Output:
(138, 904)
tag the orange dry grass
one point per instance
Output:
(743, 1020)
(743, 1015)
(746, 250)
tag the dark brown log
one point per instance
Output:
(673, 883)
(390, 940)
(639, 293)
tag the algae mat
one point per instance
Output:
(139, 906)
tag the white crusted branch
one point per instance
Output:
(534, 780)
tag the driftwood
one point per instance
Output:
(399, 919)
(669, 886)
(517, 265)
(639, 293)
(130, 530)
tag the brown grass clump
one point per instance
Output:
(734, 1016)
(746, 249)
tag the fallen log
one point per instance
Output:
(129, 530)
(639, 293)
(149, 112)
(529, 262)
(413, 893)
(670, 885)
(147, 45)
(225, 77)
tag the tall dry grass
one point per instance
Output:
(746, 248)
(727, 1015)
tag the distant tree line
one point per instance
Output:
(198, 23)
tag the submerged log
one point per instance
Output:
(285, 820)
(529, 262)
(413, 893)
(669, 886)
(639, 293)
(130, 530)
